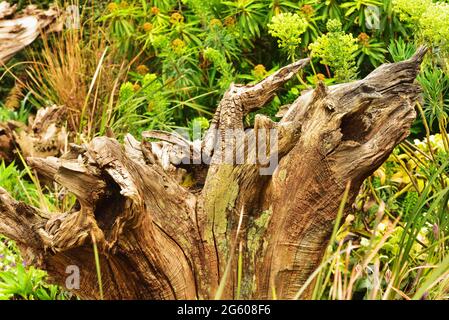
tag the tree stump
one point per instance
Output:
(158, 239)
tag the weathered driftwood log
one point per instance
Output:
(44, 136)
(160, 240)
(18, 30)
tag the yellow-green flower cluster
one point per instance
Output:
(411, 10)
(337, 50)
(429, 19)
(435, 27)
(288, 28)
(222, 65)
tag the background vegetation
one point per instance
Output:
(164, 64)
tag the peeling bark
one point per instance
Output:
(160, 240)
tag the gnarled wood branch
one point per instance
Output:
(45, 135)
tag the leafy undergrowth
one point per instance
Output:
(19, 281)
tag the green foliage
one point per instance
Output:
(14, 181)
(435, 84)
(16, 115)
(17, 281)
(223, 39)
(435, 25)
(142, 105)
(337, 50)
(429, 20)
(370, 49)
(401, 50)
(249, 15)
(222, 65)
(411, 11)
(355, 9)
(288, 28)
(21, 113)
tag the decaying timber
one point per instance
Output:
(161, 240)
(44, 136)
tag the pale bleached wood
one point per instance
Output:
(18, 30)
